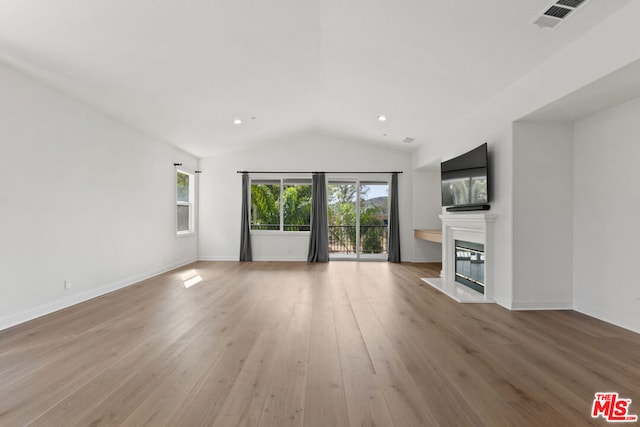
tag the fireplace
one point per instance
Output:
(467, 257)
(469, 267)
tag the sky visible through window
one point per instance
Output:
(376, 191)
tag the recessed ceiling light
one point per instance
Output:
(382, 118)
(237, 122)
(408, 140)
(384, 134)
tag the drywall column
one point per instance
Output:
(542, 215)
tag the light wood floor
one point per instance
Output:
(277, 344)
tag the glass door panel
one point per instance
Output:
(374, 219)
(343, 215)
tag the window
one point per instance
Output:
(281, 204)
(265, 205)
(184, 202)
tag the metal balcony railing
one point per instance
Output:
(342, 238)
(276, 227)
(373, 239)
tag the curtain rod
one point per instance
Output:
(289, 172)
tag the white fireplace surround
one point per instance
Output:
(471, 227)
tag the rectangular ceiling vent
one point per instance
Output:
(570, 3)
(557, 12)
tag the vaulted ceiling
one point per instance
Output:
(183, 70)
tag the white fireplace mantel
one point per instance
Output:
(471, 227)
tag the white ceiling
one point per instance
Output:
(182, 70)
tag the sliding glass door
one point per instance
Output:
(343, 219)
(358, 219)
(374, 219)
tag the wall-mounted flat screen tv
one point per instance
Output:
(465, 184)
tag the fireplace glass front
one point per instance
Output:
(470, 264)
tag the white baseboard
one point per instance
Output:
(541, 305)
(217, 258)
(502, 302)
(422, 260)
(223, 258)
(50, 307)
(607, 317)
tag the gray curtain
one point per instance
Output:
(393, 248)
(319, 238)
(245, 231)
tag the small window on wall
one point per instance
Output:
(184, 203)
(281, 204)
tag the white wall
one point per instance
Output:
(461, 140)
(487, 125)
(82, 198)
(608, 47)
(607, 215)
(426, 208)
(220, 215)
(542, 215)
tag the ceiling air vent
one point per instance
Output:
(570, 3)
(558, 12)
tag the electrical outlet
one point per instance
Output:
(67, 285)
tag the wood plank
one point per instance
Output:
(325, 403)
(286, 396)
(401, 393)
(246, 400)
(365, 399)
(292, 344)
(468, 381)
(205, 401)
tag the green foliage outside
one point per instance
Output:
(183, 187)
(372, 237)
(296, 205)
(296, 201)
(342, 215)
(265, 207)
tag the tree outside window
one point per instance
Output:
(281, 205)
(184, 202)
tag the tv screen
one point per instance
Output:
(464, 179)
